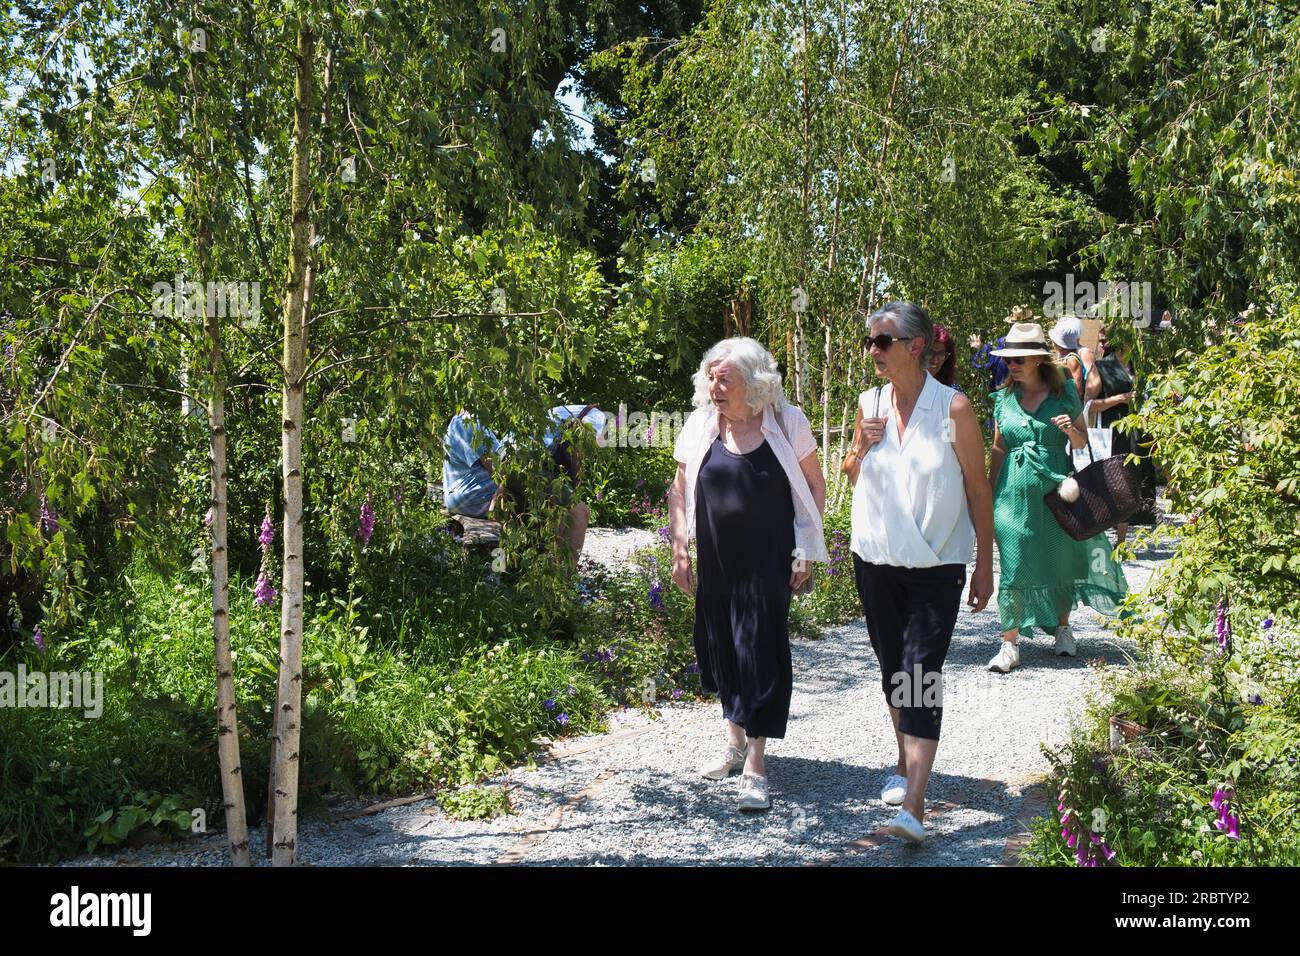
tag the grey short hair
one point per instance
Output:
(755, 364)
(911, 319)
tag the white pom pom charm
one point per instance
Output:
(1069, 490)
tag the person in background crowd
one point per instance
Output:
(569, 461)
(469, 485)
(1076, 357)
(1111, 392)
(943, 358)
(561, 469)
(750, 489)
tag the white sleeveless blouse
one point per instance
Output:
(909, 503)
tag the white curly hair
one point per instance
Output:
(755, 364)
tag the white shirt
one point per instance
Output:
(697, 435)
(909, 505)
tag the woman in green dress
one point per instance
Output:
(1044, 572)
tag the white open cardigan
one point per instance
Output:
(697, 435)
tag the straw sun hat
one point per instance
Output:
(1025, 338)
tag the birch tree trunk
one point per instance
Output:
(799, 352)
(840, 480)
(826, 405)
(232, 785)
(228, 759)
(805, 191)
(289, 692)
(867, 290)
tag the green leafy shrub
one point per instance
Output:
(627, 487)
(150, 812)
(834, 597)
(475, 803)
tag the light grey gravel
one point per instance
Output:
(613, 546)
(636, 799)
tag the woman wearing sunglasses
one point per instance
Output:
(1043, 572)
(921, 501)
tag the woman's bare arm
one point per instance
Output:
(997, 452)
(682, 575)
(853, 460)
(812, 473)
(969, 446)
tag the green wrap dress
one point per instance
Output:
(1044, 572)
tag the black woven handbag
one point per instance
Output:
(1108, 494)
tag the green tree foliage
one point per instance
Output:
(851, 152)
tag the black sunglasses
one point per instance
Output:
(1017, 359)
(883, 341)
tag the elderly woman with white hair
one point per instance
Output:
(749, 488)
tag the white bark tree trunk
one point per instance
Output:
(202, 188)
(289, 692)
(841, 482)
(232, 784)
(826, 404)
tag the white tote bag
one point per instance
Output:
(1099, 442)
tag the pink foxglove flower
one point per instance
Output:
(49, 516)
(366, 524)
(267, 535)
(264, 594)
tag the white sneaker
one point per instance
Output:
(907, 827)
(753, 792)
(1065, 642)
(731, 763)
(1007, 657)
(894, 790)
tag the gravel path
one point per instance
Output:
(632, 796)
(613, 546)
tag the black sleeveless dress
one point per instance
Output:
(744, 529)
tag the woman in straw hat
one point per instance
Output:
(1044, 572)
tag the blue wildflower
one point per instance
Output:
(562, 720)
(549, 703)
